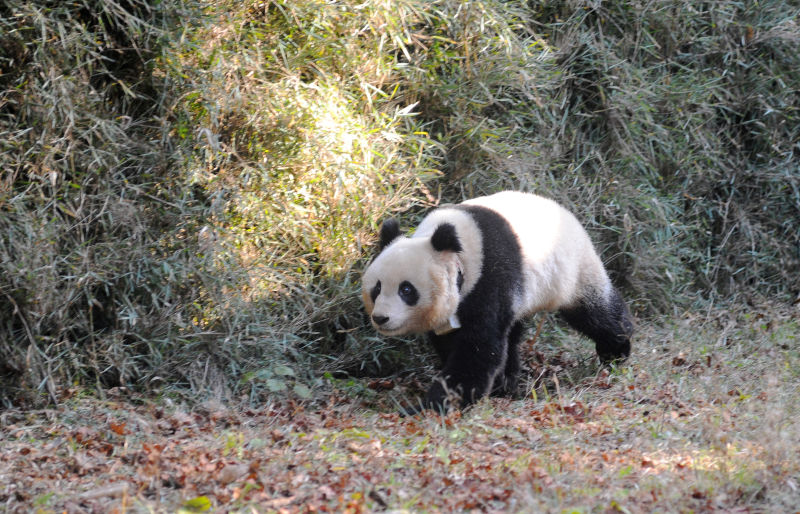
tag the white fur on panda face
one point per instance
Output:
(433, 294)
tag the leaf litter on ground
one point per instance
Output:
(694, 421)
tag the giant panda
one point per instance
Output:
(472, 273)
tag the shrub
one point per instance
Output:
(190, 189)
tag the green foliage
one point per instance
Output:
(189, 189)
(197, 504)
(684, 126)
(91, 214)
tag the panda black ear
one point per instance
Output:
(445, 238)
(390, 230)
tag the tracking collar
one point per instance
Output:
(452, 325)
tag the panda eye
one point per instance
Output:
(375, 291)
(408, 293)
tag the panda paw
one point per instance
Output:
(614, 355)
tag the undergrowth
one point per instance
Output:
(190, 188)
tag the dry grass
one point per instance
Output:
(189, 189)
(700, 419)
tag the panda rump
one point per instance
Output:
(472, 273)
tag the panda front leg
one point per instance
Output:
(474, 360)
(442, 346)
(505, 384)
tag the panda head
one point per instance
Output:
(412, 286)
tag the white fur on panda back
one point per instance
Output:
(560, 265)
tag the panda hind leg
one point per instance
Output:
(505, 383)
(608, 323)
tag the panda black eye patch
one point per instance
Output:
(375, 291)
(408, 293)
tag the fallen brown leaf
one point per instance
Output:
(381, 385)
(118, 428)
(679, 360)
(114, 490)
(231, 472)
(278, 502)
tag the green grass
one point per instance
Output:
(190, 189)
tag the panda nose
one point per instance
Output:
(379, 320)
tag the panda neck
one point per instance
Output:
(453, 323)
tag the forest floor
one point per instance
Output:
(703, 417)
